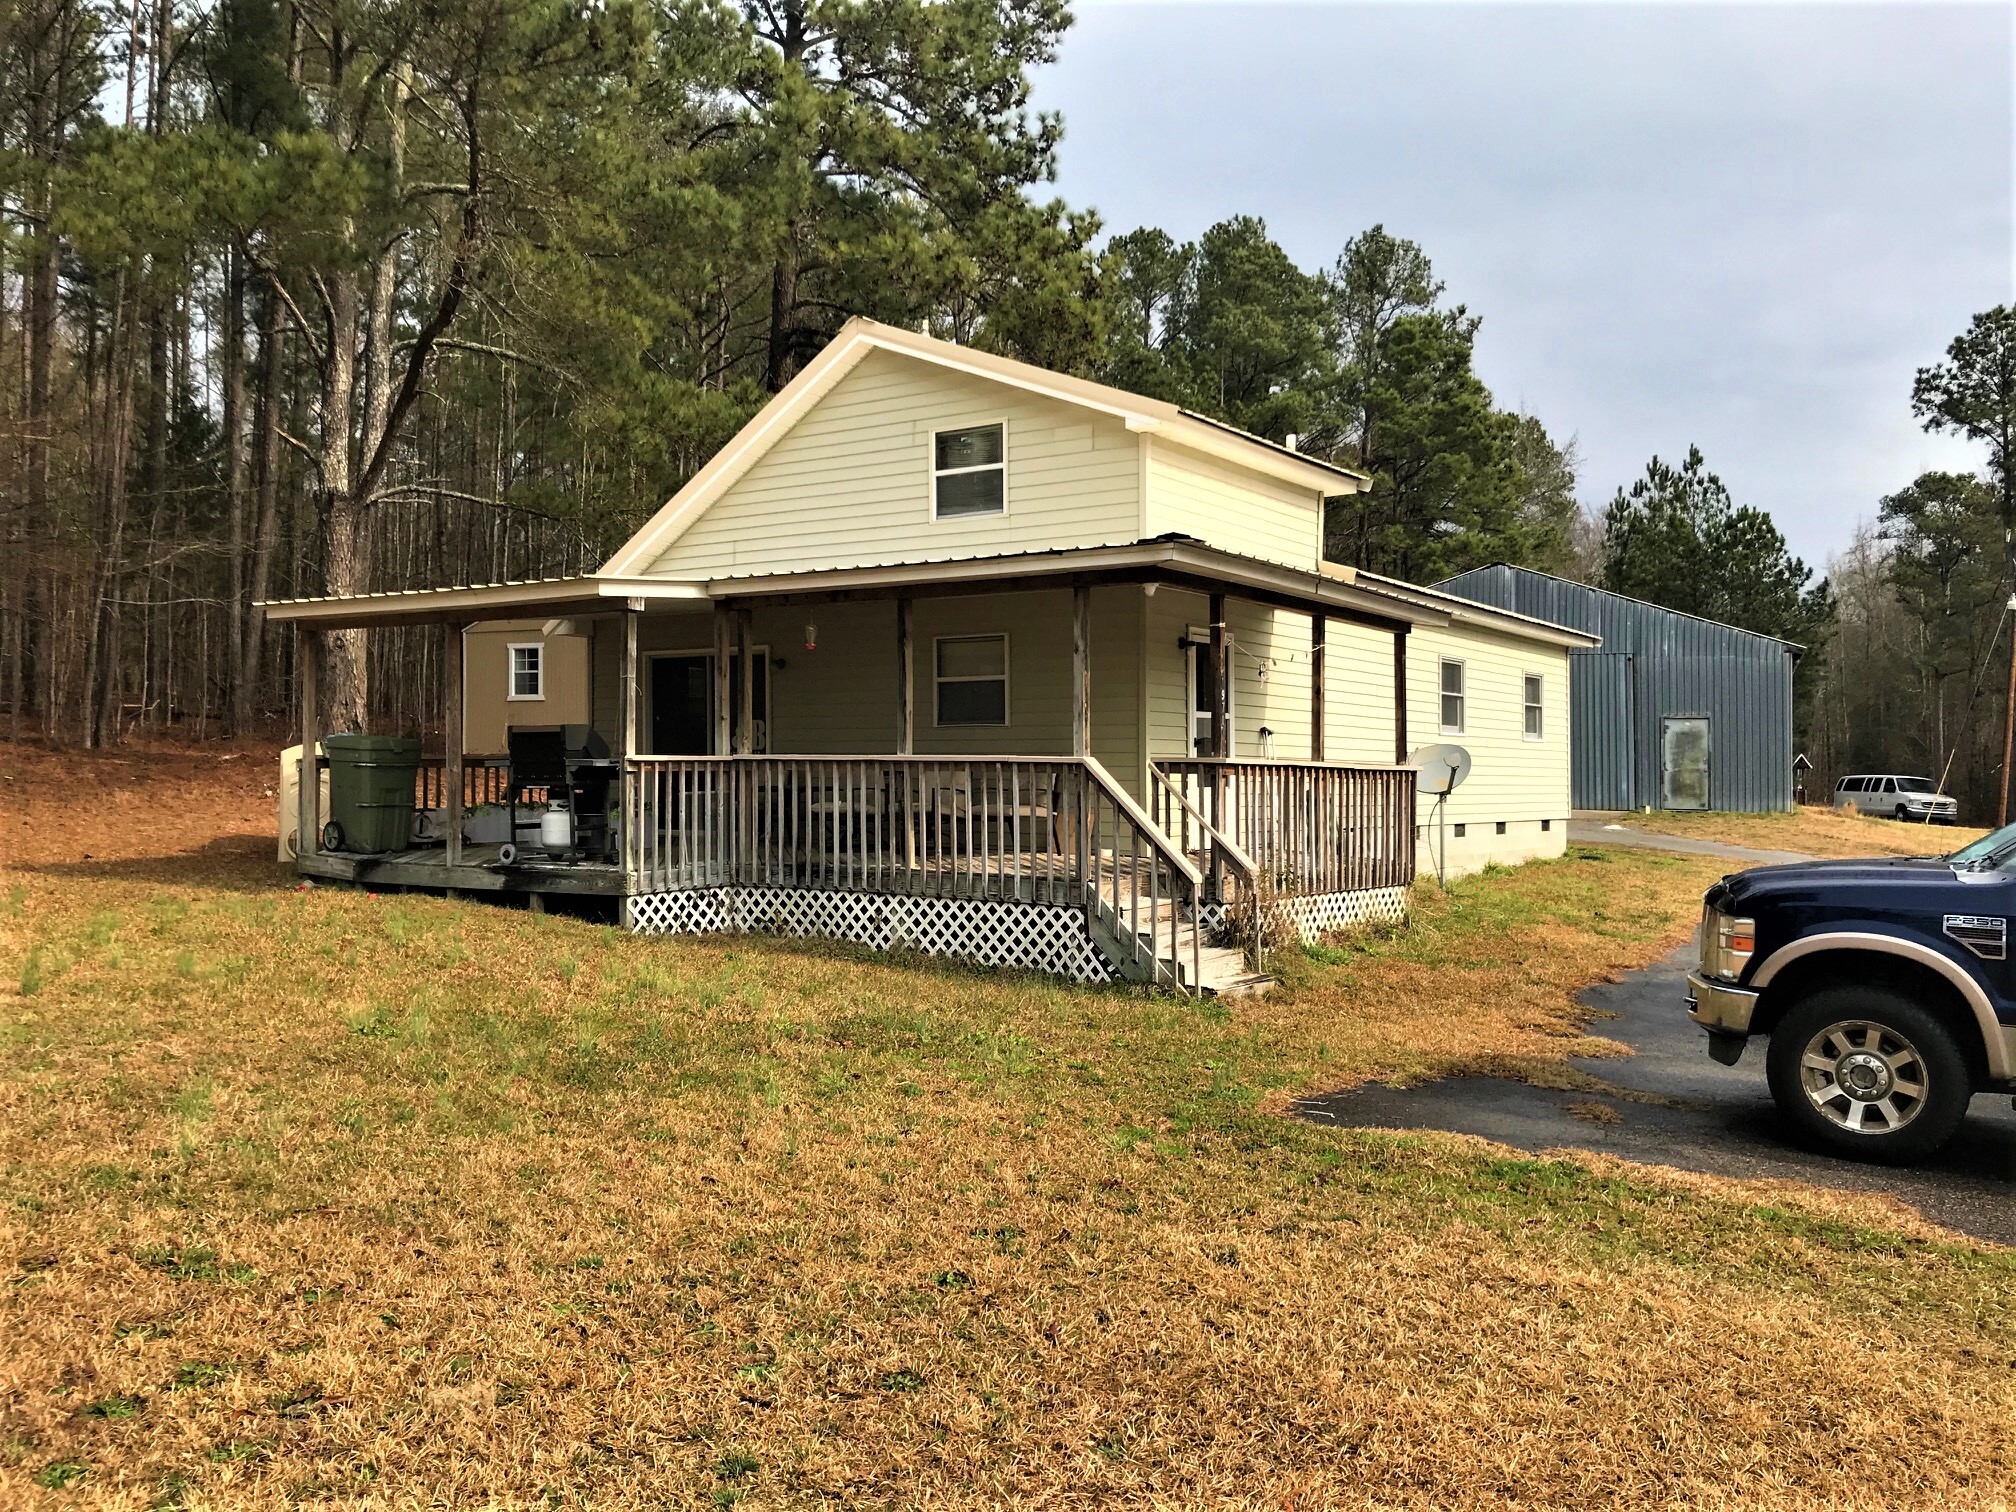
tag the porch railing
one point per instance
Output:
(484, 779)
(1033, 829)
(1309, 827)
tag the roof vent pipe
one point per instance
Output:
(1290, 441)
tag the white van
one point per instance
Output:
(1892, 797)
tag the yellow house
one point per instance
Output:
(1039, 671)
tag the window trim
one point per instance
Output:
(511, 650)
(931, 463)
(1538, 706)
(1462, 695)
(939, 679)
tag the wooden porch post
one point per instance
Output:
(1081, 671)
(723, 731)
(308, 679)
(1221, 736)
(906, 723)
(452, 740)
(1400, 695)
(1319, 631)
(1221, 686)
(745, 651)
(906, 684)
(629, 791)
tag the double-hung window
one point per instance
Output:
(972, 679)
(1536, 713)
(969, 472)
(1452, 697)
(528, 671)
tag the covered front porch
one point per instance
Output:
(1059, 782)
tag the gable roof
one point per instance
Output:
(860, 336)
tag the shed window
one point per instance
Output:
(969, 472)
(1452, 697)
(528, 671)
(1535, 711)
(972, 679)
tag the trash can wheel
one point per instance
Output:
(332, 836)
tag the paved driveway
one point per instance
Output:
(1725, 1124)
(1605, 832)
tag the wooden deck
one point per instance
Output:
(480, 871)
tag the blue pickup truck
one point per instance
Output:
(1885, 987)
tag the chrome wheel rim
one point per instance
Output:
(1863, 1077)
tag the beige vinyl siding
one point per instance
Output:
(1514, 780)
(1358, 714)
(488, 711)
(1231, 508)
(1358, 682)
(850, 485)
(841, 699)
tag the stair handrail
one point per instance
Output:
(1235, 855)
(1164, 852)
(1138, 817)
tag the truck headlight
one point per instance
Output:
(1735, 943)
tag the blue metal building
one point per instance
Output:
(1671, 711)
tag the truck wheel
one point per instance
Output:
(1867, 1073)
(1901, 814)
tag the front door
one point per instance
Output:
(1684, 749)
(1199, 643)
(682, 703)
(682, 706)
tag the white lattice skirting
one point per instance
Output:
(1323, 913)
(1320, 914)
(992, 931)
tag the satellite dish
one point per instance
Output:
(1439, 769)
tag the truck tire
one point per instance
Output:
(1863, 1071)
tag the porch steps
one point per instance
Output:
(1221, 969)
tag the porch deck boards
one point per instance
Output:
(479, 871)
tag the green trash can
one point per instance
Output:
(371, 781)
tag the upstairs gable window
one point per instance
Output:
(969, 472)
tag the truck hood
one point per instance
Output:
(1738, 891)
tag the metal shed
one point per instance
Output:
(1673, 711)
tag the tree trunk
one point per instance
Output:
(234, 488)
(266, 534)
(346, 685)
(781, 361)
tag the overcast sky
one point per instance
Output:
(1739, 226)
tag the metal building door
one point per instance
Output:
(1683, 747)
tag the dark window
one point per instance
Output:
(1452, 698)
(972, 679)
(969, 473)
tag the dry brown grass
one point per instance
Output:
(319, 1198)
(1812, 829)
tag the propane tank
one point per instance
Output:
(556, 827)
